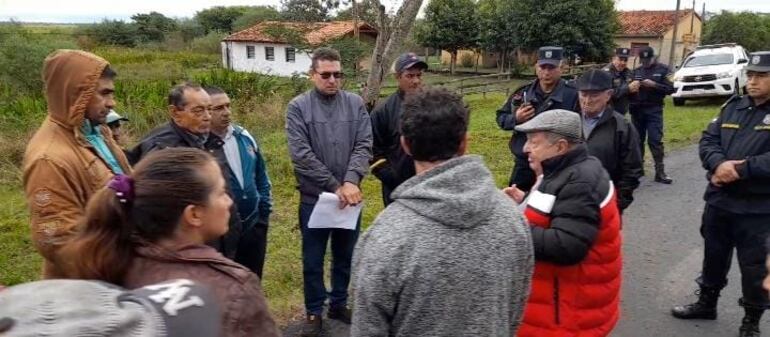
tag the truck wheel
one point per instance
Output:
(679, 101)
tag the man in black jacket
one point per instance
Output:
(610, 138)
(190, 126)
(390, 163)
(735, 151)
(549, 91)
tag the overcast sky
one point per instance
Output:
(92, 11)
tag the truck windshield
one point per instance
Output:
(708, 60)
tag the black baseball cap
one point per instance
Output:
(594, 80)
(623, 52)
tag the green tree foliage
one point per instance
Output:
(111, 33)
(220, 18)
(497, 31)
(255, 15)
(153, 26)
(22, 54)
(352, 52)
(304, 10)
(750, 30)
(450, 25)
(190, 29)
(367, 12)
(208, 44)
(583, 27)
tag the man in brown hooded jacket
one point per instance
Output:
(73, 154)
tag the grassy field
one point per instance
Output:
(283, 274)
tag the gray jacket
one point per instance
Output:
(330, 141)
(450, 257)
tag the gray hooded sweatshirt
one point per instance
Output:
(451, 256)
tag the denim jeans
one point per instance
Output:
(314, 242)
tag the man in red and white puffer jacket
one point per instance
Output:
(575, 224)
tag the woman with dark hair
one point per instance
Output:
(152, 226)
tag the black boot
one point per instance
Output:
(704, 308)
(660, 171)
(750, 324)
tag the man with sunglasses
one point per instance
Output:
(549, 91)
(391, 164)
(621, 76)
(330, 142)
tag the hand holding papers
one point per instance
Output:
(327, 213)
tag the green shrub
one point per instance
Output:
(208, 44)
(22, 55)
(239, 84)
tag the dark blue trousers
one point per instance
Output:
(724, 232)
(648, 121)
(314, 242)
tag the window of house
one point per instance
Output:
(250, 52)
(270, 53)
(290, 54)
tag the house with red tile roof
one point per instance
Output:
(265, 47)
(656, 29)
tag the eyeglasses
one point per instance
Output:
(336, 75)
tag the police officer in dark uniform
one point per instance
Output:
(735, 150)
(648, 88)
(549, 91)
(621, 76)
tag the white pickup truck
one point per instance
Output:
(711, 70)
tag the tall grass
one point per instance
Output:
(259, 104)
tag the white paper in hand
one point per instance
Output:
(327, 213)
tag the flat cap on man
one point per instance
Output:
(559, 121)
(594, 80)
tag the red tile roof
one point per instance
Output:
(314, 32)
(648, 23)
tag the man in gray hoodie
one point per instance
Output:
(451, 256)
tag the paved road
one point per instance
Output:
(663, 254)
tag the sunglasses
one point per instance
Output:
(336, 74)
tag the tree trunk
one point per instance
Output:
(452, 62)
(390, 38)
(478, 56)
(500, 61)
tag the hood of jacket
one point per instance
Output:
(71, 77)
(455, 193)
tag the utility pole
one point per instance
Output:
(692, 18)
(702, 18)
(355, 19)
(673, 38)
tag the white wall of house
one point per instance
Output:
(241, 60)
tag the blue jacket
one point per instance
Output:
(254, 199)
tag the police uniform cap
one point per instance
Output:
(550, 55)
(646, 52)
(759, 62)
(623, 52)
